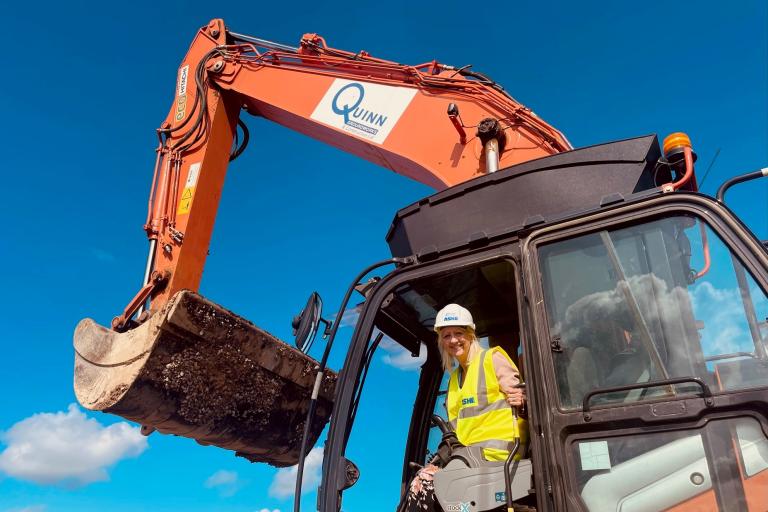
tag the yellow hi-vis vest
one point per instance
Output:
(478, 410)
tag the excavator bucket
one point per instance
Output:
(196, 370)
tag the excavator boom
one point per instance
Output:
(434, 123)
(393, 115)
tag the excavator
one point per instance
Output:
(634, 305)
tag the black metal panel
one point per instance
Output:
(474, 212)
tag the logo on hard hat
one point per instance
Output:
(453, 314)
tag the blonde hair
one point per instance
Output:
(448, 360)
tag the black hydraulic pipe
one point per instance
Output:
(263, 43)
(739, 179)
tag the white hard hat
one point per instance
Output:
(453, 314)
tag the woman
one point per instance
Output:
(480, 390)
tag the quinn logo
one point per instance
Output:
(353, 113)
(366, 110)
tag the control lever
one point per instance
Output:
(509, 471)
(447, 444)
(440, 423)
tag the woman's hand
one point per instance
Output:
(516, 397)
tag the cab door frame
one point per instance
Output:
(334, 466)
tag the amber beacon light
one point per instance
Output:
(677, 150)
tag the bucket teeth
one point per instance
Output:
(197, 370)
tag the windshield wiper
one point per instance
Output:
(623, 285)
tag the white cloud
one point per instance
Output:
(227, 482)
(349, 317)
(31, 508)
(725, 325)
(221, 477)
(401, 358)
(720, 310)
(67, 448)
(284, 482)
(396, 355)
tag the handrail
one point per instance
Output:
(720, 357)
(739, 179)
(651, 384)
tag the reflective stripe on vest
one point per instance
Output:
(478, 409)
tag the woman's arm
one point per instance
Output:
(509, 378)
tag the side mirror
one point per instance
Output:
(305, 324)
(351, 474)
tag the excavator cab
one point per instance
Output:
(638, 321)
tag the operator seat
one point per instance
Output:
(470, 483)
(581, 374)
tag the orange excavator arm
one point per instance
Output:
(186, 365)
(410, 119)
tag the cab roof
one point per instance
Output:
(522, 196)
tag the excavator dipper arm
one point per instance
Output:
(431, 122)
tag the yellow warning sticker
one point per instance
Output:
(185, 204)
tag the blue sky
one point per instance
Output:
(85, 85)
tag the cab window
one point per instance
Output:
(648, 302)
(674, 470)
